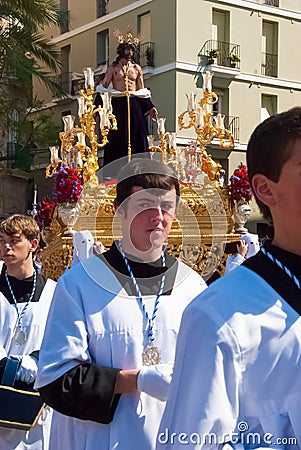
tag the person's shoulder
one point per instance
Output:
(113, 65)
(138, 67)
(194, 276)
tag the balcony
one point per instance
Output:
(146, 54)
(20, 156)
(228, 55)
(269, 65)
(232, 124)
(64, 80)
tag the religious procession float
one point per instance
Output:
(205, 220)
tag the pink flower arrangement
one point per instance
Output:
(240, 188)
(44, 213)
(68, 185)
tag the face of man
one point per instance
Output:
(15, 248)
(284, 200)
(128, 52)
(147, 218)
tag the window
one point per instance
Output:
(144, 27)
(64, 8)
(268, 106)
(220, 33)
(269, 63)
(220, 25)
(102, 47)
(64, 77)
(101, 8)
(14, 118)
(146, 47)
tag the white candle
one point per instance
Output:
(161, 127)
(207, 81)
(81, 138)
(35, 195)
(191, 97)
(101, 118)
(81, 106)
(79, 160)
(199, 120)
(207, 108)
(54, 154)
(110, 105)
(105, 120)
(90, 77)
(68, 123)
(105, 101)
(150, 140)
(172, 140)
(220, 121)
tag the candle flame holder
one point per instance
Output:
(75, 152)
(207, 129)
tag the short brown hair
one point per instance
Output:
(270, 147)
(148, 174)
(20, 224)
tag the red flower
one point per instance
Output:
(240, 187)
(44, 213)
(68, 185)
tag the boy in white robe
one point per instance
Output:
(25, 297)
(110, 313)
(238, 360)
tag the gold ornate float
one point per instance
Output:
(203, 223)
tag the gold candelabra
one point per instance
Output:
(199, 116)
(76, 152)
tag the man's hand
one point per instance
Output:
(152, 113)
(28, 369)
(155, 380)
(242, 248)
(98, 248)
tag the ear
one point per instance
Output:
(119, 210)
(263, 189)
(34, 243)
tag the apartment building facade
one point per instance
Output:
(176, 39)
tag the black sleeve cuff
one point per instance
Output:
(85, 392)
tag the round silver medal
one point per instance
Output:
(151, 355)
(20, 336)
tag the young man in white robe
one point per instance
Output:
(111, 315)
(25, 297)
(238, 360)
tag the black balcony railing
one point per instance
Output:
(146, 54)
(270, 2)
(220, 52)
(269, 65)
(232, 124)
(20, 156)
(64, 80)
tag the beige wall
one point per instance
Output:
(179, 29)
